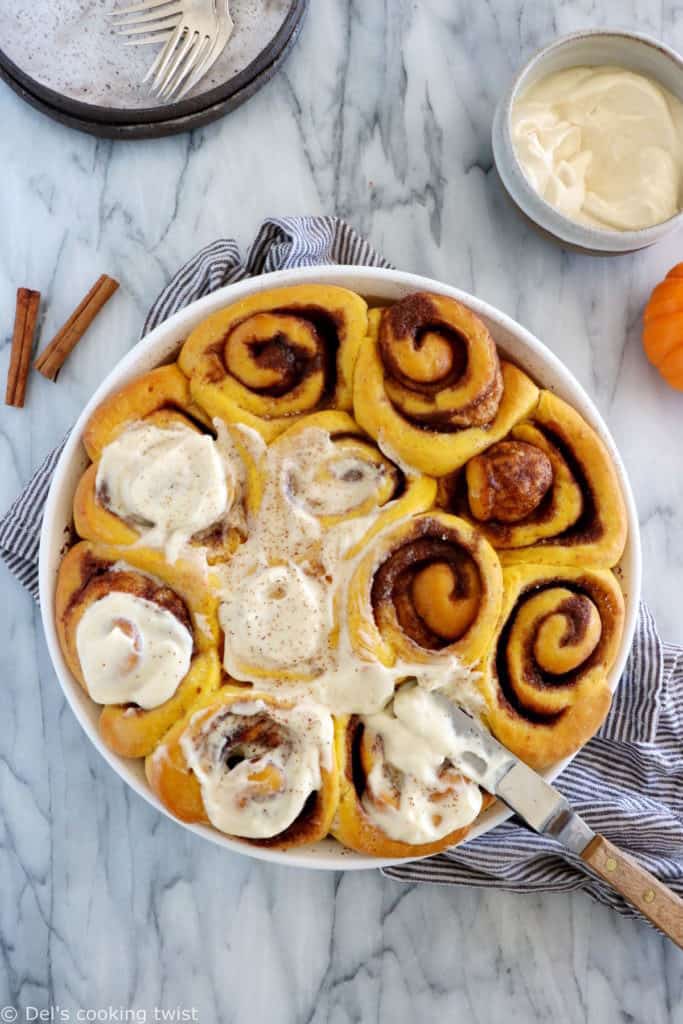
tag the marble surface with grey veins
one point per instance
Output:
(383, 116)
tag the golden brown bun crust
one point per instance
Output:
(545, 677)
(277, 355)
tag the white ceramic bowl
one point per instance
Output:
(593, 47)
(161, 346)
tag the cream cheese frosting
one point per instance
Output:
(414, 738)
(234, 796)
(604, 145)
(131, 650)
(171, 480)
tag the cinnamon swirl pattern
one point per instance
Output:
(545, 676)
(277, 355)
(547, 493)
(429, 587)
(316, 517)
(252, 766)
(430, 386)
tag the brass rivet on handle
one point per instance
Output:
(611, 865)
(649, 895)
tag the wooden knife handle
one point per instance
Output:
(652, 898)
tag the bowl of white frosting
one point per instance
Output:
(588, 141)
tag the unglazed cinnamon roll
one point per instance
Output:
(547, 493)
(428, 587)
(160, 475)
(400, 794)
(141, 639)
(429, 384)
(252, 766)
(544, 678)
(277, 355)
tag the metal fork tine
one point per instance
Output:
(145, 29)
(163, 57)
(141, 19)
(184, 58)
(134, 8)
(211, 54)
(191, 71)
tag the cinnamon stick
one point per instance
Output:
(51, 360)
(25, 319)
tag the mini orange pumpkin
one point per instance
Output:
(663, 327)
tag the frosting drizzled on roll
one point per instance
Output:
(132, 650)
(351, 478)
(275, 616)
(170, 480)
(258, 764)
(412, 790)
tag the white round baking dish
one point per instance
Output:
(589, 47)
(161, 346)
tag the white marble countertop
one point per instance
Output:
(383, 118)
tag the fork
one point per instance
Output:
(195, 33)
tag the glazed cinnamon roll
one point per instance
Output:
(277, 355)
(428, 587)
(429, 384)
(335, 474)
(161, 476)
(400, 794)
(252, 766)
(546, 493)
(140, 638)
(545, 677)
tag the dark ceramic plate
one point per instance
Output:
(166, 119)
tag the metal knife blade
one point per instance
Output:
(492, 766)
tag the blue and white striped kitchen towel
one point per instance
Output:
(627, 782)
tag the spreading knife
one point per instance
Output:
(480, 757)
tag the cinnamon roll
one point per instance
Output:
(276, 355)
(547, 493)
(255, 767)
(140, 638)
(544, 677)
(429, 587)
(400, 795)
(161, 476)
(429, 384)
(335, 474)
